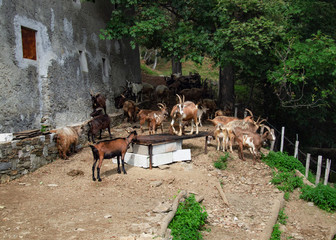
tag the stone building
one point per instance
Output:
(51, 57)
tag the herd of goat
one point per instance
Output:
(226, 130)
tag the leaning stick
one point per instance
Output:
(221, 192)
(171, 214)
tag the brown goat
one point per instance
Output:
(130, 110)
(97, 124)
(184, 111)
(66, 140)
(156, 118)
(109, 149)
(253, 141)
(98, 101)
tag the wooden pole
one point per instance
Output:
(318, 172)
(282, 138)
(327, 171)
(307, 165)
(272, 142)
(296, 151)
(236, 112)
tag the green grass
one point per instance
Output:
(221, 162)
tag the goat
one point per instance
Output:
(184, 111)
(109, 149)
(162, 93)
(253, 141)
(66, 140)
(156, 118)
(219, 113)
(97, 112)
(97, 124)
(136, 89)
(200, 111)
(98, 101)
(130, 110)
(220, 134)
(193, 94)
(143, 116)
(147, 90)
(210, 104)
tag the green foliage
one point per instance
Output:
(189, 220)
(323, 196)
(221, 162)
(282, 217)
(286, 196)
(287, 181)
(276, 234)
(283, 162)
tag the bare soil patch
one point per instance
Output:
(60, 200)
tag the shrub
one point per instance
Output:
(323, 196)
(282, 217)
(188, 221)
(221, 162)
(286, 181)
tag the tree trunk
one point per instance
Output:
(176, 66)
(226, 95)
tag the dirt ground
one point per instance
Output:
(60, 200)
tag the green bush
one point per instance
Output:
(323, 196)
(188, 221)
(221, 162)
(282, 217)
(286, 181)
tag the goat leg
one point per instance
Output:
(109, 131)
(93, 169)
(98, 174)
(123, 165)
(100, 133)
(118, 161)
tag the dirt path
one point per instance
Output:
(52, 203)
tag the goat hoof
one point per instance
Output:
(93, 179)
(99, 180)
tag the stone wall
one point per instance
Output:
(19, 157)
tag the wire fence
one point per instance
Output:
(302, 156)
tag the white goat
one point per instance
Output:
(136, 89)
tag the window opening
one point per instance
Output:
(28, 43)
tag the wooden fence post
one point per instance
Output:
(282, 138)
(307, 165)
(236, 112)
(318, 172)
(327, 171)
(296, 151)
(272, 142)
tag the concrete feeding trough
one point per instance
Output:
(154, 150)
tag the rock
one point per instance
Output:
(52, 185)
(163, 167)
(163, 207)
(156, 183)
(108, 216)
(311, 204)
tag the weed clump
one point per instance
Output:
(189, 219)
(221, 162)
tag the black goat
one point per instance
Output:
(98, 101)
(97, 124)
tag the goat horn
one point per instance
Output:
(91, 93)
(179, 98)
(160, 104)
(263, 120)
(122, 95)
(183, 98)
(249, 111)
